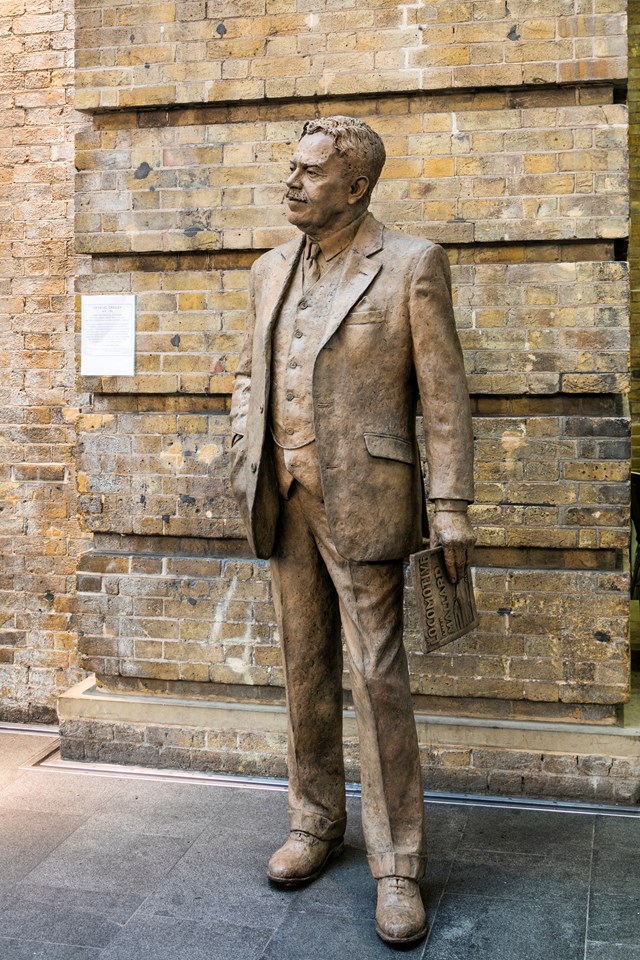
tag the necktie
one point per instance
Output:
(311, 265)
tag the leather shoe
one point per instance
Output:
(400, 915)
(302, 858)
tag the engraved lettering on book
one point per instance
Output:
(446, 611)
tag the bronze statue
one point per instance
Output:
(348, 325)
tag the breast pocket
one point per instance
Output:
(360, 317)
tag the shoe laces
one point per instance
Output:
(401, 886)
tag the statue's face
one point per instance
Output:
(319, 187)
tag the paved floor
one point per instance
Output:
(123, 869)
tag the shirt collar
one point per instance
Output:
(336, 242)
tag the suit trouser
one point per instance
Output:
(314, 590)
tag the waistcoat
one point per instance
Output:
(296, 340)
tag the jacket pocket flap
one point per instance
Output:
(391, 448)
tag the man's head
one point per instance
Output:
(334, 169)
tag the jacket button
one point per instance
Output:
(298, 333)
(293, 364)
(289, 431)
(303, 304)
(289, 394)
(254, 467)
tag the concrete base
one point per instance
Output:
(516, 758)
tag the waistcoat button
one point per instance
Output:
(298, 333)
(303, 304)
(289, 394)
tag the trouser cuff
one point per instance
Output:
(409, 865)
(316, 825)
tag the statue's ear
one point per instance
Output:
(358, 189)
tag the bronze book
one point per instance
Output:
(446, 610)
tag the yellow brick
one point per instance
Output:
(538, 29)
(453, 55)
(161, 13)
(489, 120)
(135, 55)
(146, 96)
(236, 90)
(528, 52)
(403, 168)
(191, 301)
(541, 163)
(440, 167)
(269, 67)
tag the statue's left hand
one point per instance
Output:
(454, 533)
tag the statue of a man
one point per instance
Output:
(348, 325)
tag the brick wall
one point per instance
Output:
(634, 247)
(506, 135)
(40, 536)
(193, 625)
(506, 141)
(526, 772)
(533, 166)
(194, 52)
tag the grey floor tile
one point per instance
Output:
(354, 834)
(223, 875)
(617, 832)
(16, 749)
(614, 919)
(162, 796)
(161, 809)
(222, 879)
(515, 876)
(11, 949)
(49, 792)
(528, 831)
(59, 920)
(8, 775)
(477, 928)
(616, 870)
(115, 907)
(207, 899)
(27, 838)
(107, 860)
(445, 826)
(346, 887)
(611, 951)
(240, 840)
(435, 880)
(164, 939)
(315, 935)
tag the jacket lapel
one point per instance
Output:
(277, 285)
(357, 274)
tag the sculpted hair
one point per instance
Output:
(355, 141)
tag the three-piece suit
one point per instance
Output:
(326, 470)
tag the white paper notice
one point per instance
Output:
(108, 336)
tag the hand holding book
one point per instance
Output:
(451, 529)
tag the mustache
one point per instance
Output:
(298, 195)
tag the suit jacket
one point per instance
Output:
(390, 337)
